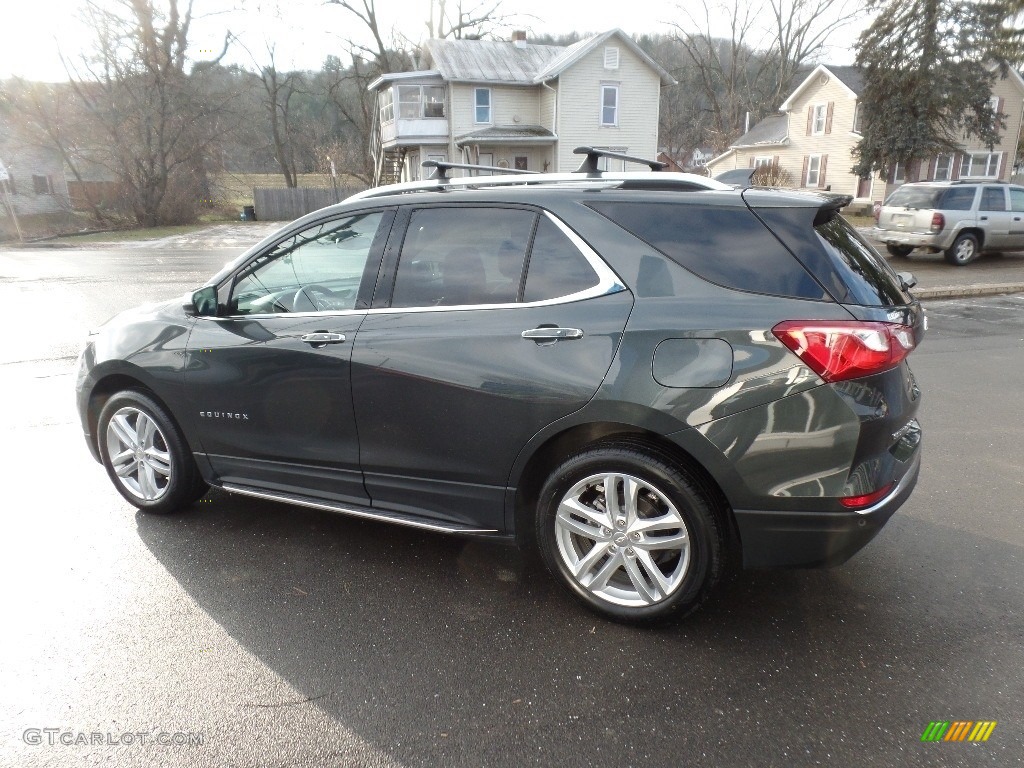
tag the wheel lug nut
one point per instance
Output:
(636, 537)
(612, 548)
(605, 532)
(630, 552)
(620, 522)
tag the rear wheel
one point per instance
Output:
(629, 533)
(963, 251)
(899, 251)
(145, 455)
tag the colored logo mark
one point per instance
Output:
(959, 730)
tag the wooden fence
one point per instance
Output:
(285, 204)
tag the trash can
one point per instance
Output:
(248, 213)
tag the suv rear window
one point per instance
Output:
(868, 277)
(727, 246)
(915, 197)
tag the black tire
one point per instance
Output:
(964, 250)
(898, 251)
(149, 481)
(667, 491)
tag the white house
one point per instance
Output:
(517, 105)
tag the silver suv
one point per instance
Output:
(960, 219)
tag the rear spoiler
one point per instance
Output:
(831, 206)
(738, 177)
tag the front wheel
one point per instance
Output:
(145, 455)
(629, 533)
(963, 251)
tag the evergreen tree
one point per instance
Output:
(929, 67)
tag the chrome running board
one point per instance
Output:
(332, 506)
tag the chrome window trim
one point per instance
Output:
(281, 315)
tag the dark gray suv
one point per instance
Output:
(644, 376)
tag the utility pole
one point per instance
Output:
(5, 184)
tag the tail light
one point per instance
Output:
(938, 222)
(841, 350)
(867, 499)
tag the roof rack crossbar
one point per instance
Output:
(441, 168)
(589, 165)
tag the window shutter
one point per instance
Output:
(803, 173)
(999, 105)
(810, 119)
(751, 161)
(999, 164)
(828, 117)
(954, 167)
(913, 169)
(821, 170)
(775, 161)
(933, 165)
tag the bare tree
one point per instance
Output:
(155, 124)
(748, 64)
(461, 20)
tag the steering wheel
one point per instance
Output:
(314, 295)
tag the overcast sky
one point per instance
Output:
(35, 32)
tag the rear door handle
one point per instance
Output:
(983, 218)
(320, 338)
(552, 334)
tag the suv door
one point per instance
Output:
(269, 379)
(493, 323)
(994, 216)
(1016, 241)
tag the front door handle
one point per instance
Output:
(320, 338)
(552, 334)
(983, 218)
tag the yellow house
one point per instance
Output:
(818, 126)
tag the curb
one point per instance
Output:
(964, 291)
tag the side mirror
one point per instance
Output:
(204, 302)
(907, 280)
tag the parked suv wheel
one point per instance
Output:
(145, 455)
(964, 250)
(898, 251)
(628, 533)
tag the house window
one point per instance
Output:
(980, 165)
(813, 171)
(520, 163)
(611, 163)
(42, 185)
(899, 173)
(858, 119)
(762, 162)
(482, 105)
(818, 121)
(416, 101)
(993, 104)
(387, 107)
(943, 167)
(433, 101)
(611, 57)
(609, 105)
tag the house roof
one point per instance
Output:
(489, 61)
(774, 129)
(506, 134)
(577, 51)
(519, 63)
(849, 77)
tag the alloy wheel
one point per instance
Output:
(138, 454)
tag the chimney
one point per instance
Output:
(519, 37)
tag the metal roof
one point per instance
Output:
(577, 51)
(532, 134)
(489, 61)
(772, 130)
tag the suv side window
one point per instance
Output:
(728, 246)
(1017, 199)
(960, 198)
(993, 199)
(556, 267)
(458, 256)
(318, 269)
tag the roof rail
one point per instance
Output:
(589, 165)
(441, 168)
(664, 181)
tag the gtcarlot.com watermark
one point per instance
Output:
(67, 737)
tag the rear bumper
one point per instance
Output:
(940, 241)
(817, 539)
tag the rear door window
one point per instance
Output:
(726, 245)
(993, 199)
(957, 199)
